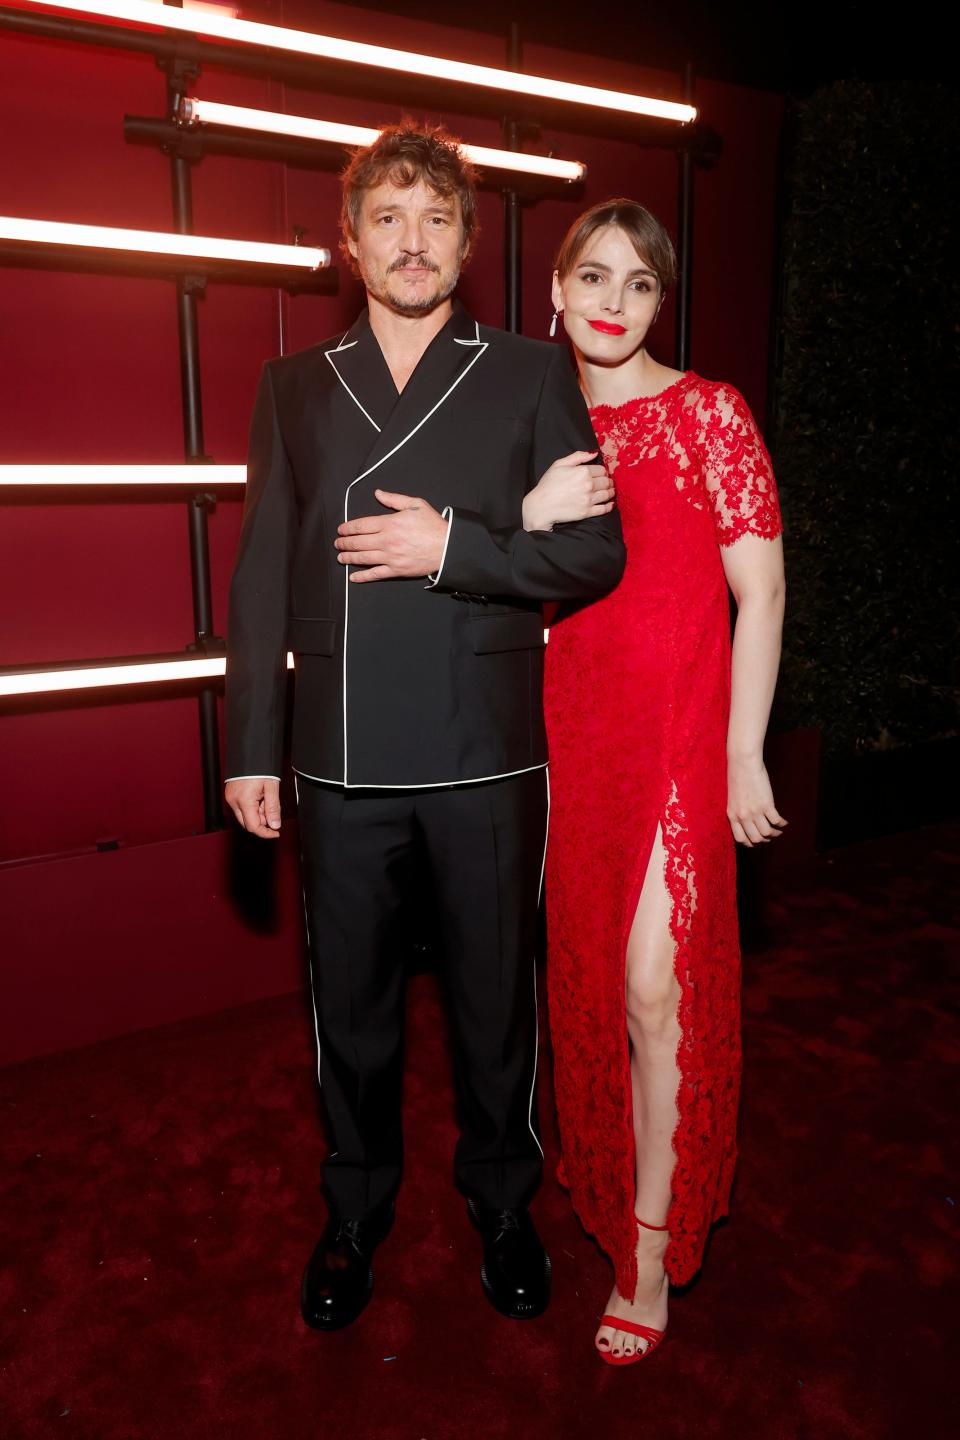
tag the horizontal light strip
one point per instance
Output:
(211, 112)
(195, 477)
(159, 242)
(93, 677)
(328, 47)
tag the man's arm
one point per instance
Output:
(570, 562)
(459, 552)
(256, 686)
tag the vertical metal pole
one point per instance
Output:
(192, 405)
(511, 209)
(190, 393)
(685, 239)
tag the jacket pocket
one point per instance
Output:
(494, 633)
(310, 637)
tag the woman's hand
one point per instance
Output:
(569, 490)
(753, 816)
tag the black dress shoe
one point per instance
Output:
(338, 1280)
(515, 1273)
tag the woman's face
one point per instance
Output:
(609, 299)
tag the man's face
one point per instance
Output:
(408, 246)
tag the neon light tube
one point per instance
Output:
(406, 62)
(159, 242)
(195, 477)
(211, 112)
(93, 677)
(143, 672)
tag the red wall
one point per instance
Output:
(89, 371)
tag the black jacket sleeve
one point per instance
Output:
(570, 562)
(256, 685)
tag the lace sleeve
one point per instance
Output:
(736, 466)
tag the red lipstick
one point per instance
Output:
(606, 328)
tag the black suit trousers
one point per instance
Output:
(482, 847)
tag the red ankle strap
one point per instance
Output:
(649, 1227)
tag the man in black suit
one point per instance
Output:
(383, 542)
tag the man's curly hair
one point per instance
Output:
(404, 154)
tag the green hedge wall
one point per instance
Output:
(865, 414)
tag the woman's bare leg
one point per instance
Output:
(652, 995)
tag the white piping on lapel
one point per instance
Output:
(343, 382)
(420, 423)
(346, 504)
(478, 341)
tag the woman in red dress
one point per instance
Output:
(656, 755)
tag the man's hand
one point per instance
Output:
(406, 544)
(256, 804)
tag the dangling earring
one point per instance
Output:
(553, 323)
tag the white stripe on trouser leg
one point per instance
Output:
(306, 922)
(536, 1018)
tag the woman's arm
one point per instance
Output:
(754, 571)
(570, 490)
(574, 562)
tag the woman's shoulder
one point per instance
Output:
(712, 406)
(711, 396)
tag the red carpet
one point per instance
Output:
(160, 1198)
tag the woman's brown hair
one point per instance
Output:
(648, 237)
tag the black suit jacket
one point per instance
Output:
(411, 682)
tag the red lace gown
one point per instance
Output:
(637, 704)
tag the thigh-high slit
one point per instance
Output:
(590, 917)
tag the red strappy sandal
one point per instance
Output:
(644, 1332)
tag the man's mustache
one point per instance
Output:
(421, 262)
